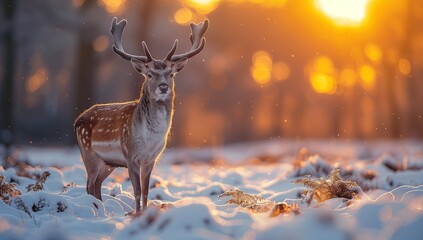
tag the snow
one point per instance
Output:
(185, 185)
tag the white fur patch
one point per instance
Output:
(109, 150)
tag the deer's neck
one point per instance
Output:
(155, 115)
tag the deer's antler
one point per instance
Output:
(117, 32)
(197, 40)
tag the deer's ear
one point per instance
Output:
(178, 65)
(139, 66)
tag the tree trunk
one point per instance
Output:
(6, 90)
(85, 63)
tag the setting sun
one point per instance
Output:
(344, 12)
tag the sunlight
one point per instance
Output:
(203, 6)
(344, 12)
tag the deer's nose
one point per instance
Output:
(163, 87)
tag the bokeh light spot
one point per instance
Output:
(322, 77)
(404, 66)
(36, 81)
(373, 52)
(262, 58)
(113, 6)
(367, 76)
(183, 16)
(101, 43)
(261, 69)
(323, 64)
(261, 74)
(323, 83)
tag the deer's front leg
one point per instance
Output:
(145, 175)
(134, 175)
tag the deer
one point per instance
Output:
(134, 134)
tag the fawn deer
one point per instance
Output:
(134, 134)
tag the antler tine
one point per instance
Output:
(146, 51)
(172, 51)
(197, 40)
(117, 32)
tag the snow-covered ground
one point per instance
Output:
(185, 186)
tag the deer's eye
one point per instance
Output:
(149, 75)
(172, 75)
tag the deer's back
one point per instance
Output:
(100, 129)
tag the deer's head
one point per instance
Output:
(159, 73)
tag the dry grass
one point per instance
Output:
(332, 187)
(258, 204)
(39, 185)
(8, 190)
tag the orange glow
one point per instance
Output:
(280, 71)
(323, 83)
(101, 43)
(203, 6)
(344, 12)
(262, 67)
(267, 3)
(368, 77)
(373, 52)
(183, 16)
(404, 66)
(113, 6)
(36, 81)
(348, 78)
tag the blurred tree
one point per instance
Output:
(6, 95)
(85, 60)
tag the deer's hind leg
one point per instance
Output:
(103, 172)
(97, 171)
